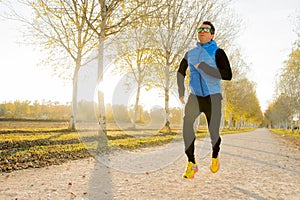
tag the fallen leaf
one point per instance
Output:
(73, 194)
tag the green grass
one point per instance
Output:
(231, 131)
(21, 137)
(23, 148)
(286, 132)
(133, 143)
(32, 130)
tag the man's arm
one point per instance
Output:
(223, 65)
(181, 73)
(224, 69)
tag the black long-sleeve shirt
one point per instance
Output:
(223, 72)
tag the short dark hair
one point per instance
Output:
(211, 26)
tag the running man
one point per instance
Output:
(208, 64)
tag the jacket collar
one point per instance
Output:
(208, 44)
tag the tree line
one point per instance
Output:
(284, 111)
(146, 40)
(48, 110)
(34, 110)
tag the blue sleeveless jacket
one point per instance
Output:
(202, 84)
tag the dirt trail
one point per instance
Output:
(254, 165)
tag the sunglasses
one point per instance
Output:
(206, 30)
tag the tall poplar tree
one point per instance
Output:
(113, 17)
(177, 32)
(61, 28)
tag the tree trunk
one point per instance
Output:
(167, 109)
(101, 105)
(167, 97)
(292, 124)
(229, 120)
(299, 122)
(72, 124)
(136, 106)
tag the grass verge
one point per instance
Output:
(34, 148)
(288, 135)
(288, 132)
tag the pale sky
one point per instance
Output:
(265, 40)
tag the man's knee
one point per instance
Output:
(189, 118)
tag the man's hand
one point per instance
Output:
(200, 65)
(182, 100)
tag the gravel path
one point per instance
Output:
(254, 165)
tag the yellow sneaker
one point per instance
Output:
(190, 171)
(215, 165)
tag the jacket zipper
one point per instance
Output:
(202, 90)
(201, 85)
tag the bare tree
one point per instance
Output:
(135, 61)
(289, 78)
(289, 81)
(279, 112)
(241, 102)
(114, 16)
(61, 29)
(176, 32)
(68, 30)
